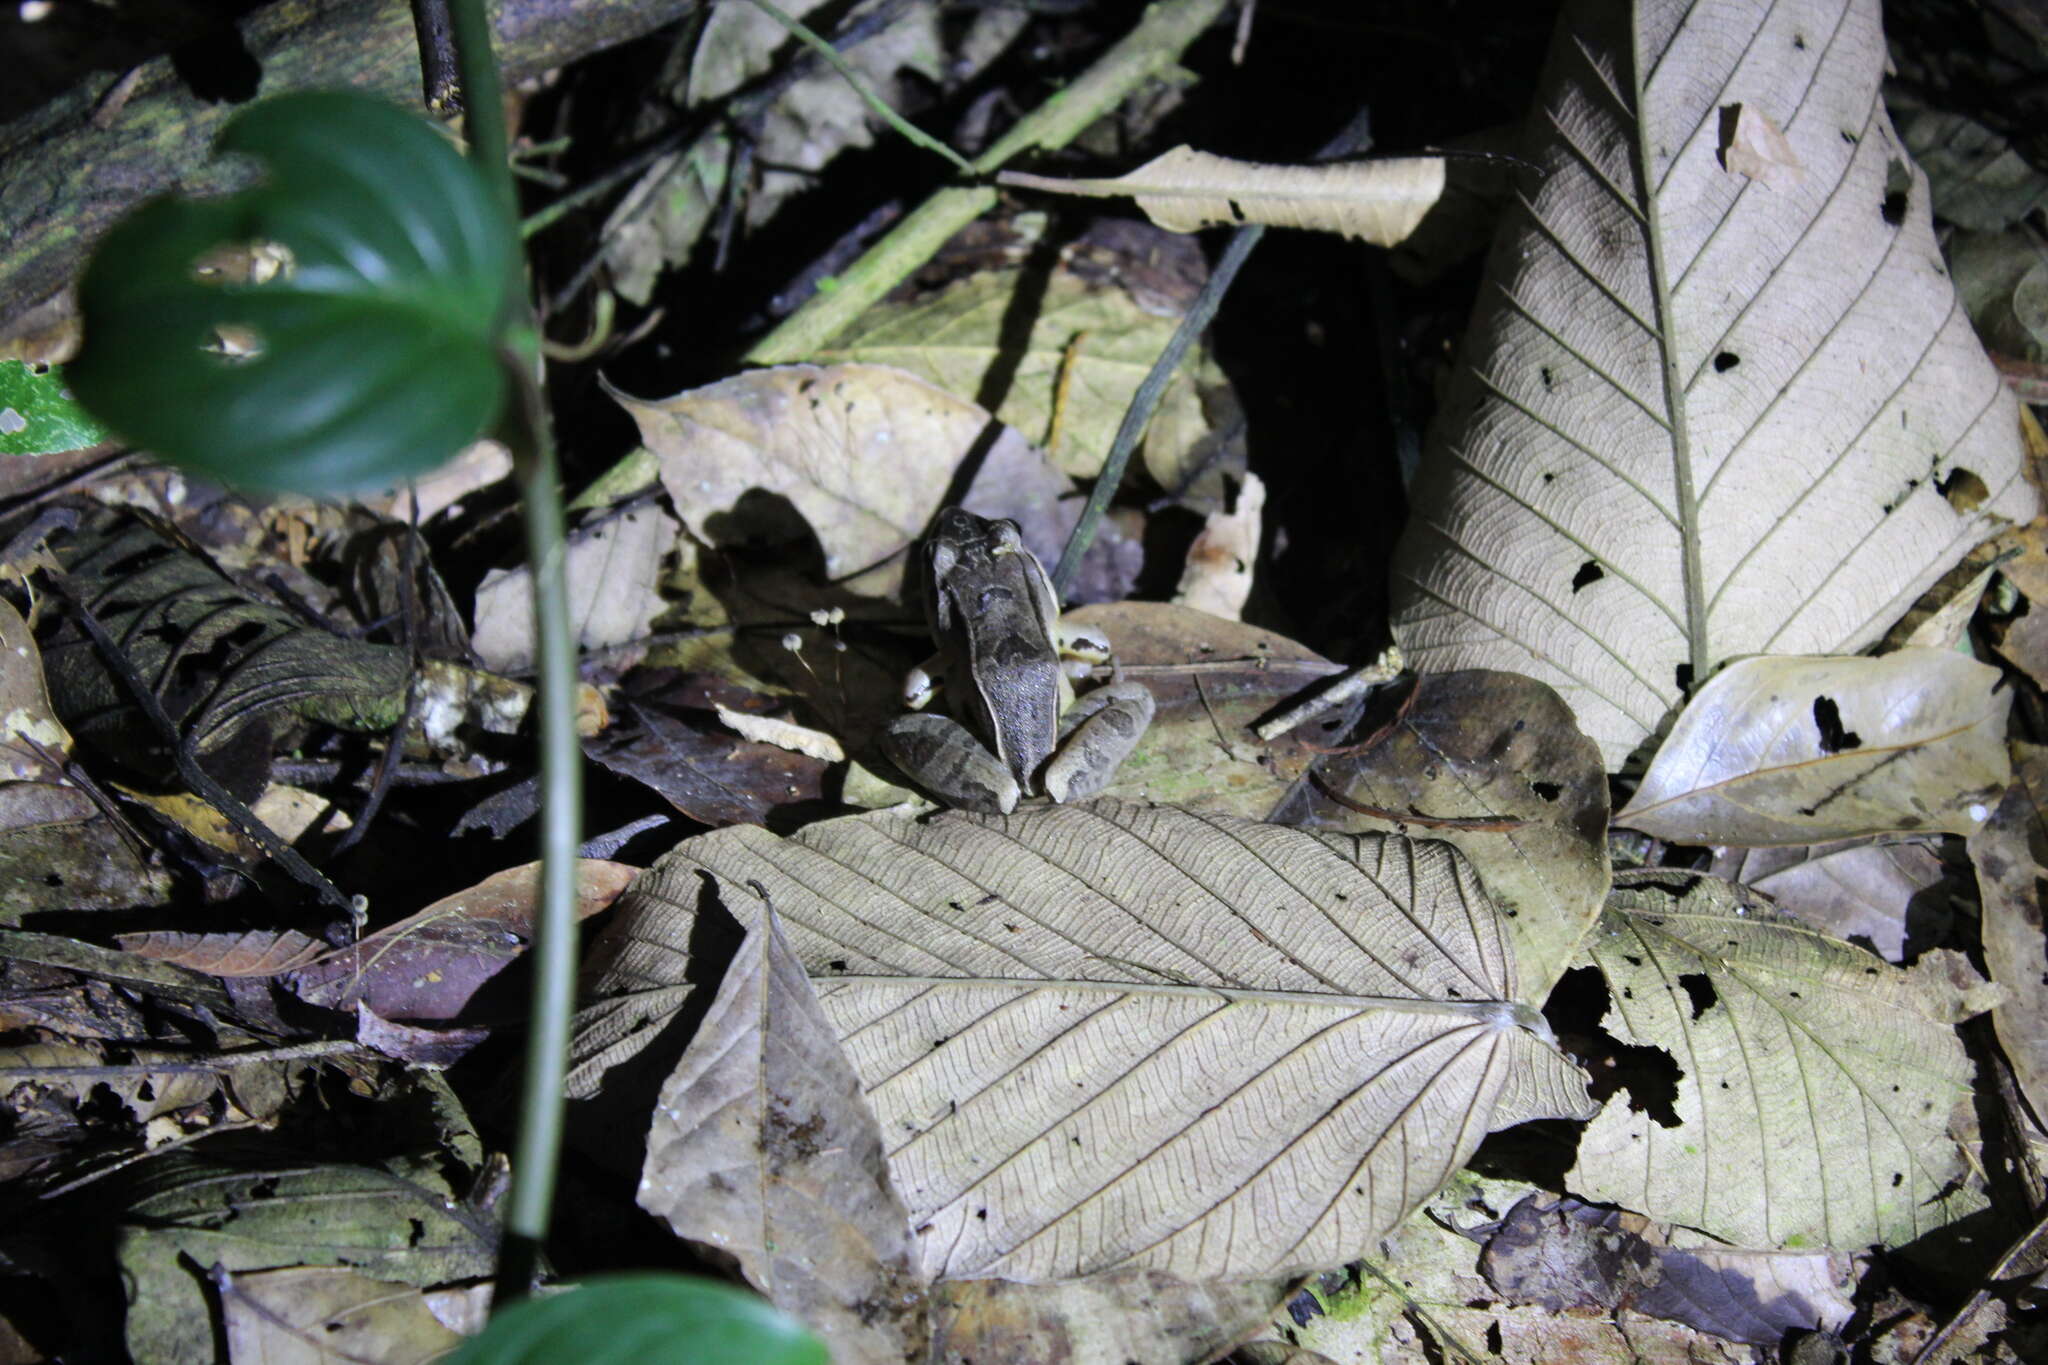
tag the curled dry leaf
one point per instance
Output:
(1218, 576)
(1698, 417)
(1101, 1036)
(1801, 750)
(1886, 893)
(763, 1147)
(2011, 855)
(430, 965)
(861, 453)
(1493, 764)
(1814, 1080)
(1185, 190)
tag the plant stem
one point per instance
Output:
(524, 428)
(561, 766)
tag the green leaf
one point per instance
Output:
(646, 1319)
(378, 346)
(38, 415)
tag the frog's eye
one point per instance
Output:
(1009, 539)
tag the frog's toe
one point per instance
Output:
(942, 757)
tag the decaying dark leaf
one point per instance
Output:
(1565, 1254)
(763, 1147)
(668, 736)
(430, 965)
(230, 670)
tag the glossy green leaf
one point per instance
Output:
(376, 349)
(38, 415)
(646, 1320)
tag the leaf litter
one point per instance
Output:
(977, 972)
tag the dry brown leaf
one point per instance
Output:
(1184, 190)
(2011, 855)
(1103, 1036)
(763, 1147)
(862, 453)
(429, 965)
(1210, 680)
(614, 570)
(1493, 764)
(317, 1315)
(1888, 893)
(1800, 750)
(253, 952)
(1129, 1315)
(1218, 576)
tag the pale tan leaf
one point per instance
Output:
(763, 1147)
(1184, 190)
(1881, 892)
(614, 569)
(1789, 750)
(1106, 1036)
(1814, 1079)
(1218, 575)
(321, 1315)
(735, 456)
(1757, 147)
(1698, 417)
(784, 734)
(2011, 856)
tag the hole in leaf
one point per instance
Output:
(1547, 791)
(1700, 990)
(1827, 718)
(1898, 183)
(1589, 573)
(1725, 361)
(1964, 490)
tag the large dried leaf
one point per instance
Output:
(2011, 855)
(328, 1315)
(862, 453)
(1184, 190)
(1699, 416)
(1801, 750)
(1815, 1079)
(763, 1148)
(1105, 1036)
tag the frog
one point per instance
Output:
(1007, 660)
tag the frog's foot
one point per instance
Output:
(943, 757)
(1096, 735)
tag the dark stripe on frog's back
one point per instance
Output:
(1020, 680)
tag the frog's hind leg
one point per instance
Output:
(1096, 735)
(943, 757)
